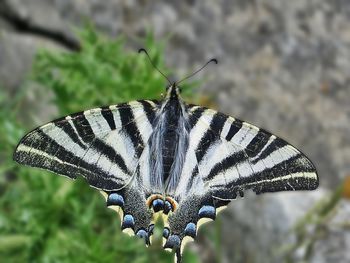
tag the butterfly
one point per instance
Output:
(169, 159)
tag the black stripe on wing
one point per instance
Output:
(46, 153)
(276, 143)
(130, 128)
(110, 154)
(210, 136)
(234, 128)
(69, 130)
(285, 176)
(258, 143)
(149, 109)
(108, 115)
(227, 163)
(195, 115)
(86, 134)
(83, 127)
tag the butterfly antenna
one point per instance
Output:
(198, 70)
(150, 60)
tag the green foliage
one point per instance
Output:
(102, 73)
(9, 132)
(47, 218)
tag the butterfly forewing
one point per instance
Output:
(240, 156)
(103, 145)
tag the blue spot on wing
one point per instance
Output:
(142, 234)
(115, 199)
(173, 241)
(190, 230)
(128, 222)
(207, 211)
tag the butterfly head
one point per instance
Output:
(173, 91)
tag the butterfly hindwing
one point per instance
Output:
(130, 205)
(196, 204)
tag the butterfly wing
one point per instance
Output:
(225, 158)
(243, 156)
(196, 204)
(104, 146)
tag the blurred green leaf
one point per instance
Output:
(102, 73)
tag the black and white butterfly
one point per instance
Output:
(166, 158)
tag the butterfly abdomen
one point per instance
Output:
(171, 113)
(169, 149)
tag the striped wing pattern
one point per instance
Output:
(107, 146)
(232, 156)
(235, 156)
(226, 157)
(103, 145)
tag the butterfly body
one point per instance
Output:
(168, 141)
(166, 158)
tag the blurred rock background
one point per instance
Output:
(284, 66)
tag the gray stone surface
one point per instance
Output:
(263, 225)
(284, 65)
(16, 56)
(330, 247)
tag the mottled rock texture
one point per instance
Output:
(284, 65)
